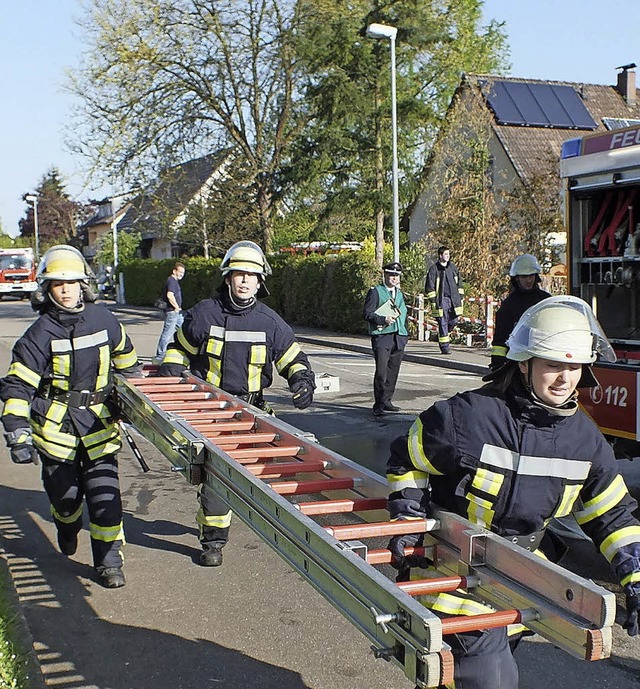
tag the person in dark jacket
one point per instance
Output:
(443, 288)
(386, 314)
(233, 341)
(59, 410)
(509, 457)
(524, 292)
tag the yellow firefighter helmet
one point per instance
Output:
(246, 257)
(63, 262)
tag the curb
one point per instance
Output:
(19, 628)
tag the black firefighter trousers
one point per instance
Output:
(388, 350)
(67, 484)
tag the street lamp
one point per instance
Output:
(390, 32)
(32, 199)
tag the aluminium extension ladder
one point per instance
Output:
(322, 513)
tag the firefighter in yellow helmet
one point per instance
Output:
(524, 292)
(509, 457)
(233, 341)
(58, 407)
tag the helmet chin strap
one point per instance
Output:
(241, 303)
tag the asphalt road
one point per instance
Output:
(252, 622)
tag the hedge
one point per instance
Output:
(317, 291)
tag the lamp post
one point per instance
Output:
(390, 32)
(32, 200)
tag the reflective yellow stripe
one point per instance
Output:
(107, 534)
(123, 341)
(102, 436)
(603, 502)
(61, 364)
(104, 366)
(430, 296)
(444, 339)
(25, 374)
(498, 350)
(630, 578)
(122, 361)
(56, 412)
(487, 481)
(451, 604)
(16, 407)
(184, 343)
(109, 448)
(175, 356)
(294, 368)
(619, 538)
(214, 374)
(214, 347)
(288, 357)
(480, 511)
(569, 496)
(257, 360)
(67, 520)
(61, 452)
(49, 433)
(416, 451)
(458, 310)
(412, 479)
(221, 521)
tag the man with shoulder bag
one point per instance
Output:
(170, 301)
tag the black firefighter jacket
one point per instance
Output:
(59, 353)
(510, 466)
(236, 349)
(444, 281)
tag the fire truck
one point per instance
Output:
(601, 187)
(17, 272)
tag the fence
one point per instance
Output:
(469, 331)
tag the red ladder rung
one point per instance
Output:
(341, 506)
(310, 487)
(348, 532)
(264, 452)
(288, 468)
(471, 623)
(234, 440)
(422, 587)
(383, 555)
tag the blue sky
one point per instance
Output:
(571, 40)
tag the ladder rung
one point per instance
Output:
(153, 387)
(348, 532)
(421, 587)
(471, 623)
(339, 506)
(234, 440)
(263, 452)
(222, 426)
(288, 468)
(384, 557)
(309, 487)
(185, 395)
(144, 383)
(197, 405)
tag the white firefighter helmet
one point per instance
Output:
(527, 264)
(246, 257)
(63, 262)
(559, 329)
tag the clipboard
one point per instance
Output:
(388, 309)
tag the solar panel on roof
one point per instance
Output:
(537, 105)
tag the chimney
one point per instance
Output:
(627, 83)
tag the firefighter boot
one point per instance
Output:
(111, 577)
(68, 544)
(211, 557)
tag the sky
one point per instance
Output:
(567, 40)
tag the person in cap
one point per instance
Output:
(443, 288)
(509, 457)
(232, 340)
(525, 291)
(386, 314)
(59, 409)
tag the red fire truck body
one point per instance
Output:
(17, 272)
(601, 176)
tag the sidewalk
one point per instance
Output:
(462, 358)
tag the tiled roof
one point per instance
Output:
(529, 147)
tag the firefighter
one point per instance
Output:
(232, 340)
(389, 335)
(524, 291)
(59, 410)
(509, 457)
(443, 288)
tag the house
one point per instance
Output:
(528, 122)
(159, 212)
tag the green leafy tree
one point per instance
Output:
(165, 80)
(343, 157)
(128, 243)
(58, 214)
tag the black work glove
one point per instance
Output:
(633, 606)
(397, 545)
(302, 394)
(497, 362)
(24, 453)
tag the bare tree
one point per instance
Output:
(168, 80)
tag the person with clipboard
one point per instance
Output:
(386, 315)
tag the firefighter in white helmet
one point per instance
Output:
(524, 292)
(233, 341)
(509, 457)
(58, 407)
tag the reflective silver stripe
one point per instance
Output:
(525, 465)
(216, 331)
(61, 346)
(245, 336)
(87, 341)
